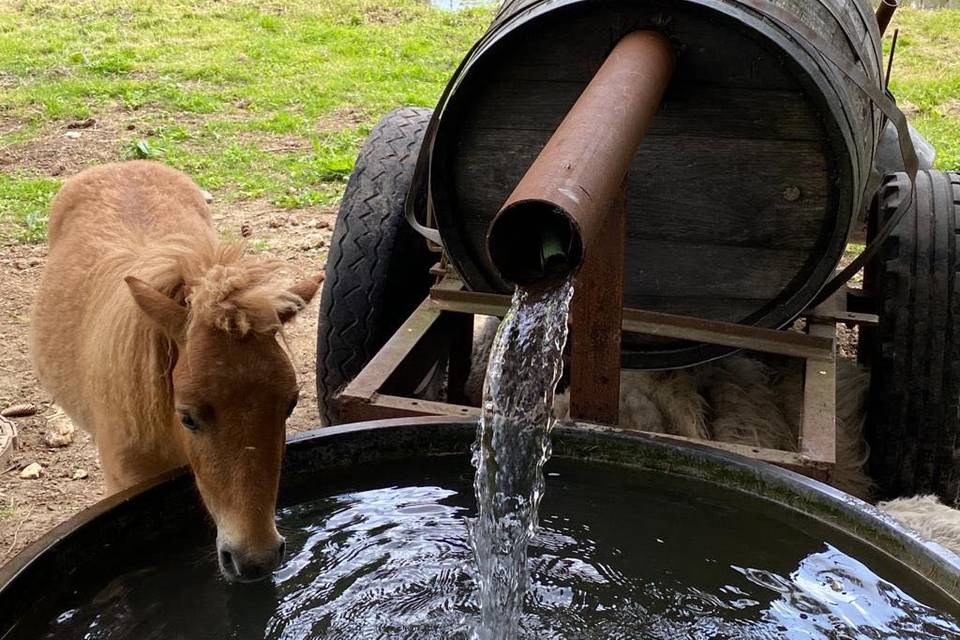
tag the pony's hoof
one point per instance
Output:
(60, 431)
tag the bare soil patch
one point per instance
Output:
(64, 148)
(950, 108)
(339, 119)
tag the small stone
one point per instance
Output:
(35, 262)
(242, 104)
(21, 410)
(79, 474)
(31, 472)
(60, 431)
(207, 196)
(73, 135)
(58, 170)
(276, 223)
(20, 265)
(131, 127)
(246, 230)
(323, 224)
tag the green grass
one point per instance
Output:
(926, 78)
(254, 100)
(25, 198)
(271, 100)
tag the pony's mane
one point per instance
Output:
(222, 286)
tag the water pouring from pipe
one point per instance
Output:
(561, 211)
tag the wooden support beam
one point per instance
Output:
(382, 406)
(596, 322)
(399, 346)
(472, 302)
(849, 317)
(365, 398)
(727, 334)
(818, 428)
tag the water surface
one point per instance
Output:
(382, 552)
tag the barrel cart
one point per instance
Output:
(701, 166)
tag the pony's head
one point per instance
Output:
(233, 388)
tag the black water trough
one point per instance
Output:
(140, 564)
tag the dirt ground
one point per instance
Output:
(29, 507)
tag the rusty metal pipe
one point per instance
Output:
(548, 224)
(885, 13)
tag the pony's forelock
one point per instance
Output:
(222, 286)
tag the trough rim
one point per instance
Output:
(933, 564)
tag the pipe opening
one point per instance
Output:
(533, 241)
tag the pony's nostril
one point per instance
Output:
(239, 566)
(227, 563)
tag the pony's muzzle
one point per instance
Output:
(245, 566)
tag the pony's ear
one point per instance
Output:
(305, 290)
(164, 311)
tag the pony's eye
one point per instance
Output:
(187, 420)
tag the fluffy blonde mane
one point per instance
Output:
(222, 286)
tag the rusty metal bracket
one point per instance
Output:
(366, 397)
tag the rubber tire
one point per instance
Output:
(378, 267)
(913, 425)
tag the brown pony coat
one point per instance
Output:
(145, 322)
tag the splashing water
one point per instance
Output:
(512, 446)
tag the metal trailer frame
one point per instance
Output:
(443, 326)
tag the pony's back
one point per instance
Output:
(139, 196)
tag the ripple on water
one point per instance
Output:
(620, 555)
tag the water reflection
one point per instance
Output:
(621, 556)
(829, 592)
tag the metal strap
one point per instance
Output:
(422, 169)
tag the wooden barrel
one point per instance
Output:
(742, 195)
